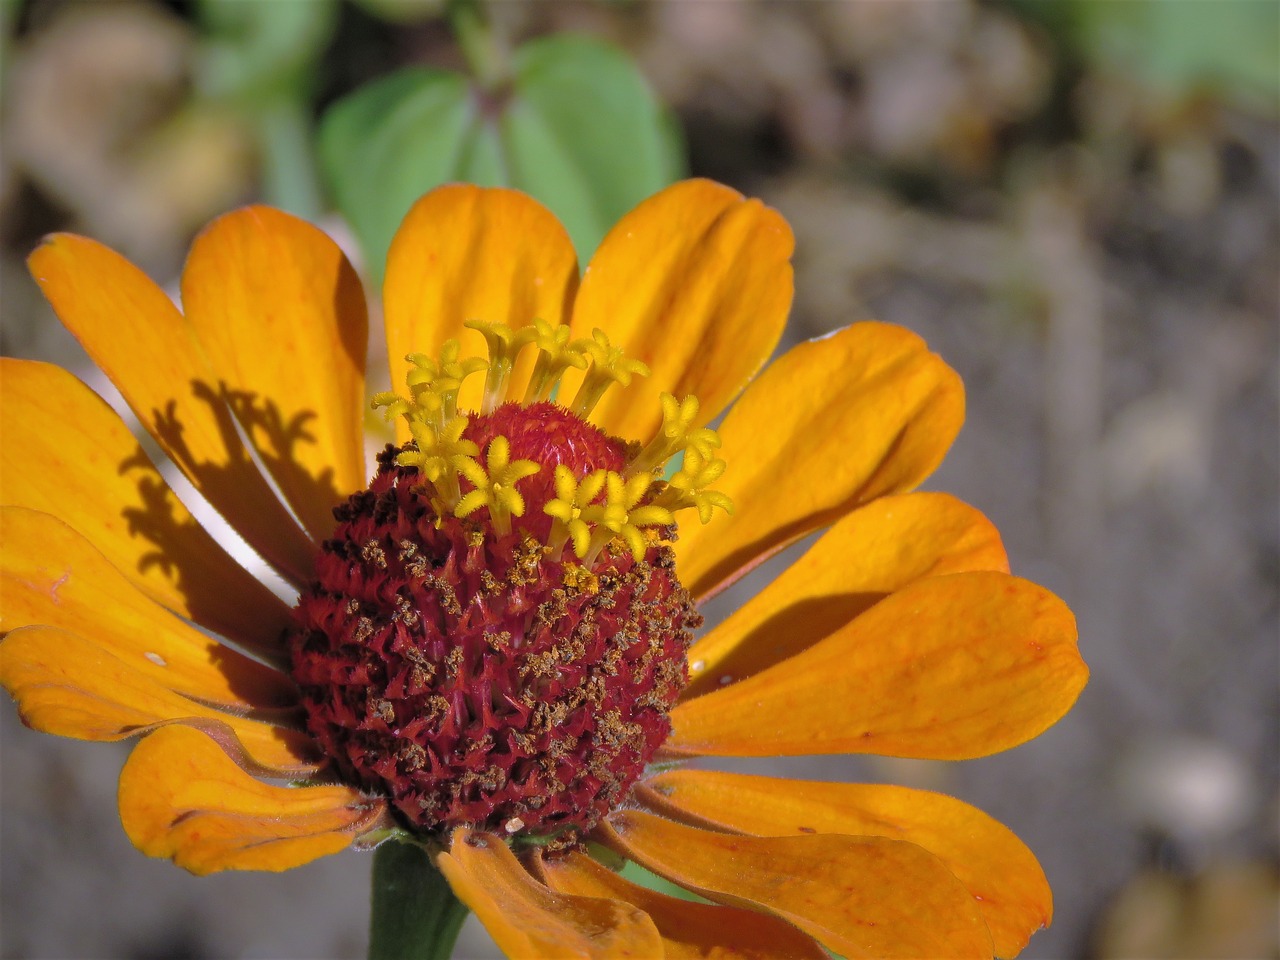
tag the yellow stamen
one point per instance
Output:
(675, 435)
(495, 487)
(555, 355)
(572, 497)
(505, 345)
(688, 487)
(619, 517)
(433, 386)
(609, 365)
(441, 451)
(580, 579)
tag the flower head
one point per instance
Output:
(493, 651)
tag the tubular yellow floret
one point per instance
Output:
(505, 344)
(555, 355)
(609, 365)
(495, 487)
(433, 387)
(435, 383)
(441, 451)
(688, 487)
(619, 517)
(572, 498)
(675, 435)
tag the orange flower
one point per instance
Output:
(542, 538)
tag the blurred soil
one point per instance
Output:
(1099, 257)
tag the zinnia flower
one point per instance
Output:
(492, 653)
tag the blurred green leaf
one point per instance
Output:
(403, 11)
(585, 135)
(577, 128)
(1228, 46)
(254, 49)
(260, 57)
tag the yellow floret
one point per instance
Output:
(688, 487)
(609, 365)
(505, 344)
(555, 355)
(495, 487)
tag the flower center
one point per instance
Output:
(496, 632)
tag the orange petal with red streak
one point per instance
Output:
(947, 668)
(148, 349)
(473, 253)
(835, 422)
(281, 316)
(529, 920)
(996, 867)
(689, 930)
(870, 553)
(182, 798)
(68, 686)
(696, 282)
(857, 896)
(51, 575)
(108, 491)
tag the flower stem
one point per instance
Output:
(484, 49)
(415, 914)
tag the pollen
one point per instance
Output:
(496, 632)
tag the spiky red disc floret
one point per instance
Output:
(473, 679)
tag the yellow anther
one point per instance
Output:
(555, 355)
(688, 487)
(609, 365)
(505, 344)
(620, 517)
(393, 405)
(572, 497)
(440, 453)
(435, 383)
(495, 487)
(580, 579)
(433, 386)
(676, 435)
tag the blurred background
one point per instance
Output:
(1075, 202)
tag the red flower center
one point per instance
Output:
(477, 672)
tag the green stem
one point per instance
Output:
(415, 914)
(289, 177)
(484, 50)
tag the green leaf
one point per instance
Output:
(578, 129)
(585, 135)
(384, 145)
(251, 50)
(1232, 48)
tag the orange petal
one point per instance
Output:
(995, 866)
(529, 920)
(51, 575)
(70, 687)
(93, 475)
(182, 798)
(947, 668)
(132, 331)
(473, 253)
(281, 316)
(835, 422)
(689, 930)
(696, 282)
(877, 549)
(857, 896)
